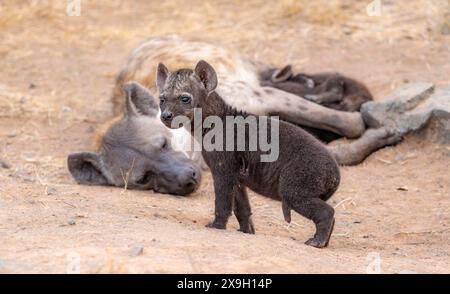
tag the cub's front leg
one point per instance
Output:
(225, 184)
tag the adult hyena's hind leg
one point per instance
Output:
(356, 151)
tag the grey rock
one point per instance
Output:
(51, 191)
(66, 109)
(413, 107)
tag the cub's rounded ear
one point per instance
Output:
(161, 76)
(207, 75)
(282, 75)
(138, 100)
(86, 168)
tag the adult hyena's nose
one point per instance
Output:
(167, 115)
(189, 180)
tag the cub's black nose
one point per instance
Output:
(166, 115)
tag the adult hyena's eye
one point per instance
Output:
(185, 99)
(162, 99)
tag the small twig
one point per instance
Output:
(384, 160)
(71, 205)
(126, 176)
(342, 234)
(343, 201)
(39, 178)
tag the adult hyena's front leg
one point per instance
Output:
(300, 111)
(355, 152)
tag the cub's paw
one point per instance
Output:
(322, 238)
(247, 228)
(216, 225)
(316, 242)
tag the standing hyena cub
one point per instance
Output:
(303, 177)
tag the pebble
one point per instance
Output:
(136, 250)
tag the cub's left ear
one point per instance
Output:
(207, 75)
(161, 76)
(139, 101)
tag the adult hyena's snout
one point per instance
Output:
(181, 180)
(189, 180)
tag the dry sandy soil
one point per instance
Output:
(56, 77)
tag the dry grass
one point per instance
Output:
(221, 18)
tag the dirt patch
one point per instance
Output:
(56, 78)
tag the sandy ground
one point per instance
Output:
(56, 77)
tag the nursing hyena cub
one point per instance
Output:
(303, 176)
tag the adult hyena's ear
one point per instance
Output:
(207, 75)
(138, 100)
(161, 76)
(282, 75)
(86, 168)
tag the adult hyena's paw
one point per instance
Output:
(247, 227)
(313, 98)
(384, 136)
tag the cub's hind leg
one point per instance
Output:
(309, 204)
(321, 214)
(242, 210)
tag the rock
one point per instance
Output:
(51, 191)
(438, 127)
(71, 222)
(66, 109)
(137, 250)
(413, 107)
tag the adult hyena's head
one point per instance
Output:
(136, 152)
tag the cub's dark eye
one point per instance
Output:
(162, 99)
(185, 99)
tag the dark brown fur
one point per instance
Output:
(332, 90)
(303, 177)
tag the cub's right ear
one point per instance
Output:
(161, 76)
(86, 168)
(282, 75)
